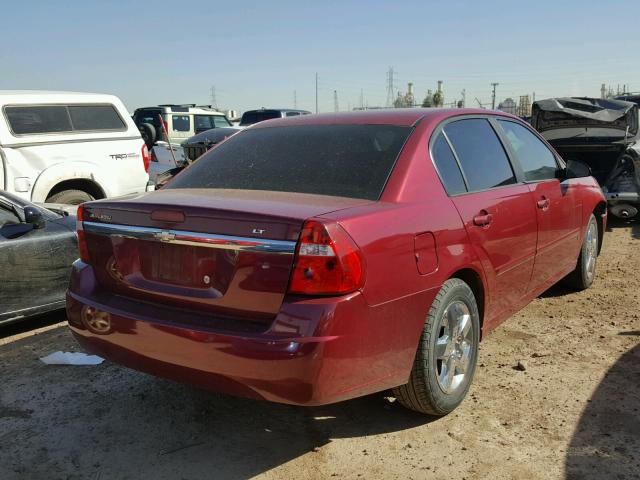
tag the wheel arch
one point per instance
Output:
(474, 280)
(598, 212)
(85, 184)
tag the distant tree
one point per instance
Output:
(428, 101)
(438, 99)
(460, 104)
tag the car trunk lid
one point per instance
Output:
(227, 252)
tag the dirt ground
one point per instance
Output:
(574, 412)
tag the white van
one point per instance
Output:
(67, 147)
(180, 121)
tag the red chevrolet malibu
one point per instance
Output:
(314, 259)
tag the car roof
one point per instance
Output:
(392, 116)
(50, 96)
(184, 109)
(262, 109)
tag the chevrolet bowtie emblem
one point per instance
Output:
(164, 236)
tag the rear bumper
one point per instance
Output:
(316, 351)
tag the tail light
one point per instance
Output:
(82, 240)
(146, 158)
(328, 262)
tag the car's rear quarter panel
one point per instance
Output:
(398, 295)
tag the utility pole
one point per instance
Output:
(336, 108)
(390, 87)
(361, 99)
(295, 99)
(464, 97)
(316, 92)
(493, 96)
(214, 102)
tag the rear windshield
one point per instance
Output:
(255, 116)
(337, 160)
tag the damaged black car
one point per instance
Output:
(603, 134)
(37, 247)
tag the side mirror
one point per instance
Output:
(577, 169)
(34, 216)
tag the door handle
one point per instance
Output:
(483, 219)
(543, 204)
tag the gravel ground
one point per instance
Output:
(572, 410)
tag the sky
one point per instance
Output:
(265, 53)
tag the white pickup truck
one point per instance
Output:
(67, 147)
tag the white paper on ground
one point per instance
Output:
(71, 358)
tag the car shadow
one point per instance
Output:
(29, 324)
(606, 442)
(111, 422)
(633, 224)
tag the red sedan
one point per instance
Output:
(314, 259)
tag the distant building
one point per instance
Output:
(524, 106)
(508, 105)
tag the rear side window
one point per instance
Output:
(181, 123)
(337, 160)
(293, 114)
(28, 119)
(482, 157)
(38, 119)
(95, 117)
(535, 158)
(447, 166)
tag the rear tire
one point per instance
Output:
(447, 354)
(70, 197)
(585, 272)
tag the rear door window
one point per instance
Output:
(337, 160)
(483, 160)
(447, 166)
(181, 123)
(535, 158)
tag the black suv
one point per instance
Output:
(254, 116)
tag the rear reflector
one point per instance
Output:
(328, 262)
(82, 240)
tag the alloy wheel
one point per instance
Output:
(454, 346)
